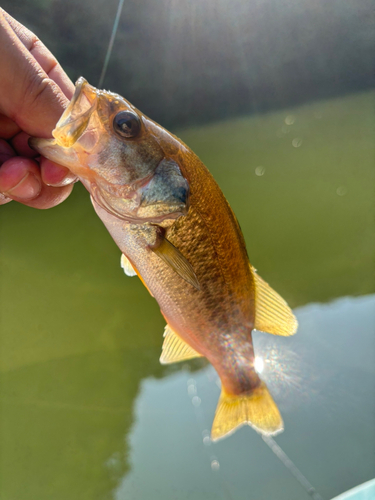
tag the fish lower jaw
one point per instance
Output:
(50, 149)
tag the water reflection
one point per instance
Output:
(328, 417)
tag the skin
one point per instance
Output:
(216, 318)
(34, 91)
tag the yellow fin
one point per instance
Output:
(127, 267)
(257, 409)
(272, 313)
(175, 349)
(174, 259)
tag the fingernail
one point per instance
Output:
(30, 142)
(68, 179)
(57, 175)
(28, 188)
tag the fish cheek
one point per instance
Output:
(139, 157)
(129, 160)
(166, 193)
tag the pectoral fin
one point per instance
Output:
(127, 267)
(175, 349)
(272, 313)
(174, 259)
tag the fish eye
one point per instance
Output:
(127, 124)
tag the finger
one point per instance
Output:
(6, 151)
(42, 55)
(49, 197)
(21, 145)
(7, 127)
(20, 180)
(54, 174)
(28, 96)
(4, 199)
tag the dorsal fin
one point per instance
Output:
(127, 267)
(175, 349)
(272, 313)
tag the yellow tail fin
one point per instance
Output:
(257, 409)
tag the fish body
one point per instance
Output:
(176, 230)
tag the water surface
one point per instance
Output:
(87, 411)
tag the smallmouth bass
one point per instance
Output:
(177, 232)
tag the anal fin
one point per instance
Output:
(127, 267)
(272, 313)
(175, 349)
(257, 409)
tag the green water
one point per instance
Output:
(87, 412)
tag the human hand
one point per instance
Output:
(34, 91)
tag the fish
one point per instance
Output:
(178, 233)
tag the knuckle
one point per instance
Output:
(35, 90)
(36, 86)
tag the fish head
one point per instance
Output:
(113, 149)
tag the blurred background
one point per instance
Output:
(191, 62)
(276, 97)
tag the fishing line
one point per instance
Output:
(111, 41)
(283, 457)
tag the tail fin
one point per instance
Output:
(257, 409)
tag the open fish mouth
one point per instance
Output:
(71, 127)
(76, 117)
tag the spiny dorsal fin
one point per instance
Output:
(174, 259)
(272, 313)
(127, 267)
(175, 349)
(257, 409)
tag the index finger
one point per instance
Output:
(42, 55)
(27, 95)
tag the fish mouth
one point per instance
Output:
(76, 117)
(70, 127)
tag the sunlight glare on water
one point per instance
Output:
(259, 171)
(258, 364)
(215, 465)
(290, 119)
(297, 142)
